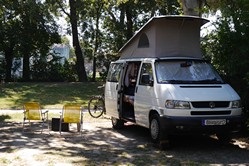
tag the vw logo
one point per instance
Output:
(211, 104)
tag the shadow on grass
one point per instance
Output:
(101, 145)
(97, 146)
(4, 117)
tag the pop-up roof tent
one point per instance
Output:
(166, 36)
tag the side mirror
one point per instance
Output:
(145, 80)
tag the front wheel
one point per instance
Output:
(224, 138)
(96, 106)
(155, 129)
(157, 136)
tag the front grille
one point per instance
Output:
(210, 112)
(210, 104)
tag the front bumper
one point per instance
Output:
(195, 125)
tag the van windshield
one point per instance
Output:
(186, 72)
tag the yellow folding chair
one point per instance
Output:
(33, 113)
(72, 113)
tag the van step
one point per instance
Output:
(129, 118)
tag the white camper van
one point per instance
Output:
(161, 82)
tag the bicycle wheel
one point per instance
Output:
(96, 106)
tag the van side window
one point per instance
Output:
(114, 72)
(146, 72)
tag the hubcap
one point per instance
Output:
(154, 129)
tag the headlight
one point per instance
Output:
(177, 104)
(235, 104)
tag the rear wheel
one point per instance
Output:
(117, 123)
(96, 106)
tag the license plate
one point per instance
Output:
(214, 122)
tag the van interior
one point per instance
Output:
(129, 82)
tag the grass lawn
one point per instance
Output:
(50, 95)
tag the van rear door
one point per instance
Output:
(113, 88)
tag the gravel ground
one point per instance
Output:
(101, 145)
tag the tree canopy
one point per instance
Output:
(99, 28)
(227, 45)
(27, 29)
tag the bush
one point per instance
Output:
(53, 70)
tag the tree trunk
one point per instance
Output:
(94, 50)
(80, 66)
(129, 32)
(8, 58)
(26, 69)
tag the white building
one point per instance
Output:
(61, 50)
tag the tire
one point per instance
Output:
(156, 133)
(117, 123)
(96, 106)
(224, 138)
(155, 129)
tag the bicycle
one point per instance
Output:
(96, 105)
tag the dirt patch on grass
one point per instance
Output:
(101, 145)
